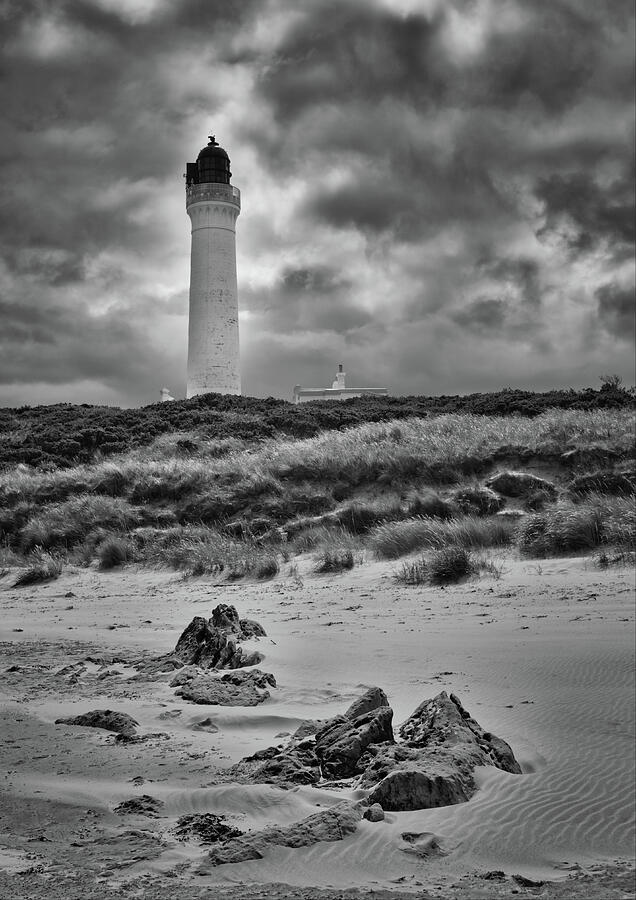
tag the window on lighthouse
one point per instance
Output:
(215, 169)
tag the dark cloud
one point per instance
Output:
(520, 273)
(416, 188)
(483, 316)
(585, 213)
(308, 299)
(354, 50)
(61, 344)
(616, 309)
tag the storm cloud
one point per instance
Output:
(438, 194)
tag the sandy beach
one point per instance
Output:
(542, 656)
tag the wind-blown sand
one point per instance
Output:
(542, 657)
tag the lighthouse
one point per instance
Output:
(213, 205)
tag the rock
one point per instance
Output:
(206, 724)
(520, 484)
(331, 824)
(407, 789)
(211, 643)
(158, 665)
(184, 675)
(342, 741)
(294, 764)
(421, 843)
(374, 698)
(108, 719)
(251, 676)
(374, 813)
(144, 805)
(442, 745)
(527, 882)
(246, 688)
(205, 828)
(444, 721)
(308, 728)
(431, 766)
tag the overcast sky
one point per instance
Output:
(437, 193)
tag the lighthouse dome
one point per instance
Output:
(213, 164)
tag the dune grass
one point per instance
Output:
(437, 449)
(71, 521)
(335, 559)
(446, 566)
(43, 566)
(396, 539)
(207, 505)
(572, 527)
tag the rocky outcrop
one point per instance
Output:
(520, 484)
(212, 643)
(331, 824)
(327, 748)
(144, 805)
(342, 741)
(295, 763)
(108, 719)
(236, 688)
(433, 766)
(206, 828)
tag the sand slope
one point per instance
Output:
(542, 657)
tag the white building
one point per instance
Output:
(213, 205)
(337, 391)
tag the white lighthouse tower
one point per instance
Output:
(213, 205)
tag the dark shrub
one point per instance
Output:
(359, 517)
(429, 504)
(113, 552)
(536, 500)
(449, 565)
(341, 490)
(266, 567)
(604, 482)
(43, 567)
(336, 559)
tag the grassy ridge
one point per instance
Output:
(396, 487)
(63, 434)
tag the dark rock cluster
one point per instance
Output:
(108, 719)
(235, 688)
(431, 764)
(332, 824)
(212, 643)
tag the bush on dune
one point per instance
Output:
(66, 524)
(114, 552)
(199, 550)
(570, 527)
(334, 559)
(446, 566)
(392, 540)
(429, 503)
(42, 567)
